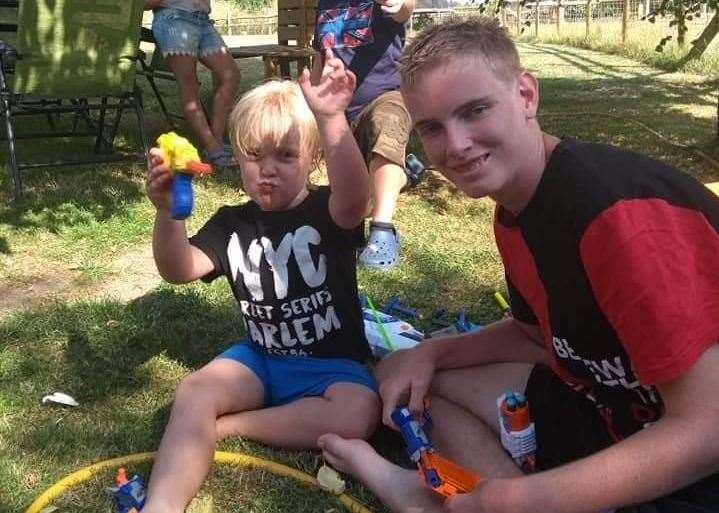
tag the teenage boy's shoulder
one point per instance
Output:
(594, 177)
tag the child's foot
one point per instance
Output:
(382, 249)
(399, 489)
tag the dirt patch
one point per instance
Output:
(132, 274)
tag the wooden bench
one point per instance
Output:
(295, 29)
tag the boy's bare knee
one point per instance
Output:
(195, 388)
(358, 416)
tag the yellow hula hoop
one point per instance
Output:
(231, 458)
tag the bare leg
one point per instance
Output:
(185, 454)
(387, 181)
(460, 431)
(185, 69)
(226, 80)
(347, 409)
(399, 489)
(464, 410)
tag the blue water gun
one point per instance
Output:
(128, 494)
(184, 162)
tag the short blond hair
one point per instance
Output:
(272, 111)
(443, 43)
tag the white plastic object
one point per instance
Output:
(60, 398)
(330, 480)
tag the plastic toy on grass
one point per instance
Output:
(184, 161)
(394, 306)
(414, 169)
(439, 473)
(460, 324)
(499, 298)
(386, 333)
(128, 494)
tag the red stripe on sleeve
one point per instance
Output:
(654, 270)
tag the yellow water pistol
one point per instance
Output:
(184, 162)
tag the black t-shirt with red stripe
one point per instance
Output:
(616, 258)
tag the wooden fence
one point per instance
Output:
(515, 14)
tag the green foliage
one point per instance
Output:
(249, 5)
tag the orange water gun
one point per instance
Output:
(442, 475)
(184, 162)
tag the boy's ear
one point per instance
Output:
(529, 92)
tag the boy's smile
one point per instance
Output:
(479, 129)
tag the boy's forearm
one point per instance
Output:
(500, 342)
(170, 248)
(346, 169)
(654, 462)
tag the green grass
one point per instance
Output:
(642, 40)
(67, 329)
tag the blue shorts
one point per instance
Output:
(286, 378)
(179, 32)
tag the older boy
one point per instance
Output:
(610, 260)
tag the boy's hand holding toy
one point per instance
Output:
(169, 181)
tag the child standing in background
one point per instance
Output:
(369, 36)
(185, 34)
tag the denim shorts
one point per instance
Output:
(287, 378)
(179, 32)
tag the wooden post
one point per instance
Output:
(560, 17)
(227, 19)
(625, 20)
(588, 14)
(519, 17)
(536, 19)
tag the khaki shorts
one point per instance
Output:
(383, 127)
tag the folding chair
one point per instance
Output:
(77, 57)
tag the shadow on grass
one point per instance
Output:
(122, 362)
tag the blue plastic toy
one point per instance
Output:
(184, 162)
(129, 494)
(394, 306)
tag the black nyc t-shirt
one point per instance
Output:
(293, 274)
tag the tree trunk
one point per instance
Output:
(701, 43)
(680, 16)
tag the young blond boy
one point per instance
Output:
(289, 256)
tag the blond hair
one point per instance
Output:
(441, 44)
(271, 112)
